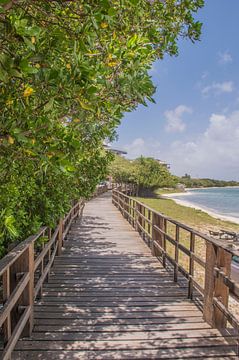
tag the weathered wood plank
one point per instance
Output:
(196, 353)
(120, 327)
(125, 345)
(127, 335)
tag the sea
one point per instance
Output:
(219, 202)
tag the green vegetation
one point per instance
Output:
(147, 173)
(68, 72)
(191, 182)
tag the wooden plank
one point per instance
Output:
(140, 315)
(52, 286)
(121, 327)
(120, 309)
(67, 321)
(128, 335)
(126, 345)
(195, 353)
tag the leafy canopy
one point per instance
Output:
(68, 72)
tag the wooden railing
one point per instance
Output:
(204, 262)
(23, 273)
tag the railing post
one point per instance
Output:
(176, 254)
(191, 265)
(60, 237)
(149, 228)
(214, 287)
(156, 236)
(29, 297)
(138, 217)
(49, 252)
(6, 294)
(126, 208)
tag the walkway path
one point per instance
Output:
(108, 298)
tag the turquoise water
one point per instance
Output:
(224, 201)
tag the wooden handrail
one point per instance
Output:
(23, 272)
(171, 240)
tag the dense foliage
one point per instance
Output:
(68, 71)
(146, 173)
(192, 182)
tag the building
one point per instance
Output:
(161, 162)
(115, 151)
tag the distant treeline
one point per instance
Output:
(191, 182)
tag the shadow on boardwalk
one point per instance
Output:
(108, 298)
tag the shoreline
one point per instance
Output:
(192, 205)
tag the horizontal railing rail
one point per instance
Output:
(23, 272)
(203, 261)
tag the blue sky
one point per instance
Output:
(194, 124)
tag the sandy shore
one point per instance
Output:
(176, 198)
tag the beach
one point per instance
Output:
(176, 197)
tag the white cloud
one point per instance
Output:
(140, 146)
(204, 75)
(218, 88)
(174, 119)
(224, 58)
(215, 153)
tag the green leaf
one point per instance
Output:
(29, 44)
(3, 2)
(49, 105)
(112, 12)
(26, 68)
(85, 106)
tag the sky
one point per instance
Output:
(194, 125)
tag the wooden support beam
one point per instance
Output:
(215, 287)
(60, 238)
(156, 236)
(176, 254)
(6, 294)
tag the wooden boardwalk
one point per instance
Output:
(108, 298)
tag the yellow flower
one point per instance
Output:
(103, 25)
(33, 141)
(38, 66)
(112, 63)
(10, 140)
(28, 91)
(68, 66)
(33, 39)
(9, 102)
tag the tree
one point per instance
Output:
(68, 72)
(122, 170)
(150, 174)
(145, 172)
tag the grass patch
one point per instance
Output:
(197, 219)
